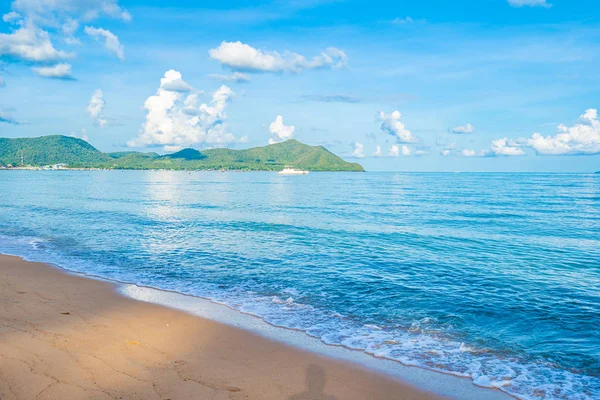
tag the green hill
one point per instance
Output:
(76, 153)
(47, 150)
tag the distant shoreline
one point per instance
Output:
(65, 152)
(153, 169)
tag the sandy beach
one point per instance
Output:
(69, 337)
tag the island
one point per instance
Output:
(66, 152)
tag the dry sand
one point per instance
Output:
(68, 337)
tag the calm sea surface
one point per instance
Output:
(491, 276)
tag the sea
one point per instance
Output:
(494, 276)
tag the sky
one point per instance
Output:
(473, 85)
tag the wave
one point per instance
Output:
(422, 344)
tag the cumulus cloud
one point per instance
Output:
(175, 83)
(406, 151)
(241, 57)
(174, 117)
(30, 43)
(358, 150)
(377, 152)
(581, 138)
(468, 128)
(506, 147)
(499, 147)
(35, 21)
(96, 108)
(279, 131)
(58, 71)
(111, 41)
(391, 124)
(238, 77)
(445, 152)
(529, 3)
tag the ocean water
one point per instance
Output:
(495, 277)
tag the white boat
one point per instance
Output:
(292, 171)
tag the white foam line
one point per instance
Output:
(439, 383)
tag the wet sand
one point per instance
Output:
(64, 336)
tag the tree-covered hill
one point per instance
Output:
(49, 150)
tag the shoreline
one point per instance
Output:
(413, 382)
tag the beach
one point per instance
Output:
(70, 337)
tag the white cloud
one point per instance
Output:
(392, 125)
(468, 128)
(30, 44)
(582, 138)
(111, 41)
(58, 71)
(48, 12)
(242, 57)
(235, 77)
(68, 29)
(358, 150)
(402, 21)
(499, 147)
(529, 3)
(506, 147)
(11, 17)
(377, 152)
(173, 82)
(35, 21)
(96, 108)
(174, 118)
(590, 115)
(405, 151)
(448, 149)
(279, 131)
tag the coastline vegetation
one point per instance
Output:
(73, 153)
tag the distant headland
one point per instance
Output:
(65, 152)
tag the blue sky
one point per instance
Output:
(488, 85)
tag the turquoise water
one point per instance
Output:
(491, 276)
